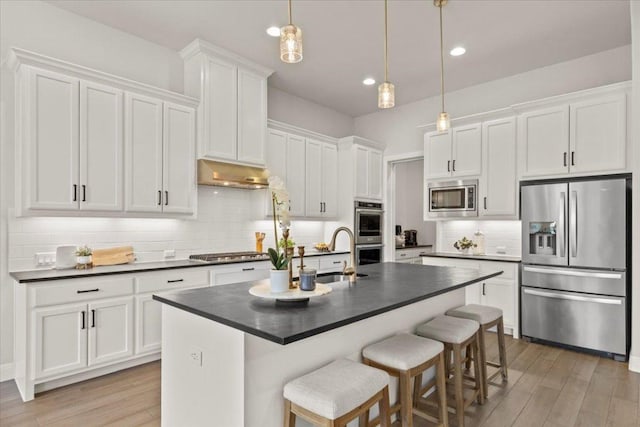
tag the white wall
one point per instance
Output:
(308, 115)
(409, 203)
(398, 127)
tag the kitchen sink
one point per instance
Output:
(336, 277)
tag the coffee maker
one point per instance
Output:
(410, 237)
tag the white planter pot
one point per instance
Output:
(83, 259)
(279, 281)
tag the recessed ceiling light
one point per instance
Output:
(457, 51)
(273, 31)
(368, 81)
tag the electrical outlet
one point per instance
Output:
(501, 249)
(43, 259)
(170, 253)
(195, 356)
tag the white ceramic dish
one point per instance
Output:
(264, 291)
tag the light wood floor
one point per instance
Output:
(547, 387)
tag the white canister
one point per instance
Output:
(478, 239)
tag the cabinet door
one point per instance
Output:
(238, 273)
(498, 186)
(100, 147)
(598, 137)
(545, 141)
(362, 172)
(61, 339)
(220, 103)
(313, 166)
(276, 155)
(296, 177)
(252, 117)
(51, 136)
(148, 324)
(178, 170)
(437, 152)
(329, 180)
(375, 174)
(143, 153)
(499, 293)
(466, 150)
(110, 326)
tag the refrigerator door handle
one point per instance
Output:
(596, 275)
(573, 224)
(561, 226)
(573, 297)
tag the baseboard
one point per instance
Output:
(634, 363)
(6, 372)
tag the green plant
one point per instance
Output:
(83, 251)
(290, 243)
(278, 260)
(464, 243)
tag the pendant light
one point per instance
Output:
(386, 91)
(290, 42)
(443, 123)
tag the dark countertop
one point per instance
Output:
(71, 273)
(388, 286)
(492, 257)
(399, 248)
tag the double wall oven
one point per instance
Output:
(369, 223)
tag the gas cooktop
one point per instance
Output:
(231, 256)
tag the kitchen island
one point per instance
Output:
(226, 355)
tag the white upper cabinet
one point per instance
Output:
(51, 140)
(329, 180)
(101, 175)
(498, 185)
(321, 172)
(232, 116)
(374, 174)
(286, 159)
(368, 172)
(456, 153)
(585, 134)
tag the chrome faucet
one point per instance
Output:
(351, 270)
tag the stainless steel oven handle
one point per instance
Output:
(574, 273)
(573, 297)
(560, 233)
(573, 224)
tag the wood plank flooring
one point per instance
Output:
(548, 387)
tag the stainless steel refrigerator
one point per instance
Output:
(575, 261)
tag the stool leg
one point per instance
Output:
(467, 353)
(502, 350)
(417, 385)
(442, 391)
(457, 378)
(483, 361)
(289, 417)
(383, 405)
(363, 420)
(406, 401)
(477, 371)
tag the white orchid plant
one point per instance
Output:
(280, 204)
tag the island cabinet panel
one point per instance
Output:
(498, 185)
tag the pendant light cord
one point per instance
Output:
(290, 14)
(441, 60)
(386, 66)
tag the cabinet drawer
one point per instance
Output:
(509, 269)
(333, 262)
(81, 290)
(172, 279)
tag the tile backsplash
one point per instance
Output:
(227, 221)
(496, 234)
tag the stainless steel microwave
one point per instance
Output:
(453, 199)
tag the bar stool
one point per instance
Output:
(457, 334)
(487, 317)
(407, 356)
(336, 394)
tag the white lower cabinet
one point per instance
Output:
(500, 291)
(243, 272)
(110, 328)
(148, 324)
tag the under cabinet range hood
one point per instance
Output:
(222, 174)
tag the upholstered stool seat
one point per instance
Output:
(457, 334)
(407, 356)
(337, 393)
(488, 317)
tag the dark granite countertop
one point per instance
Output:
(399, 248)
(492, 257)
(71, 273)
(388, 286)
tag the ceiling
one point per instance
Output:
(343, 40)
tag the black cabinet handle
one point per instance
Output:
(337, 262)
(166, 198)
(448, 165)
(88, 290)
(93, 318)
(485, 203)
(75, 192)
(453, 165)
(175, 280)
(320, 206)
(573, 163)
(159, 197)
(483, 290)
(564, 158)
(248, 269)
(84, 193)
(83, 321)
